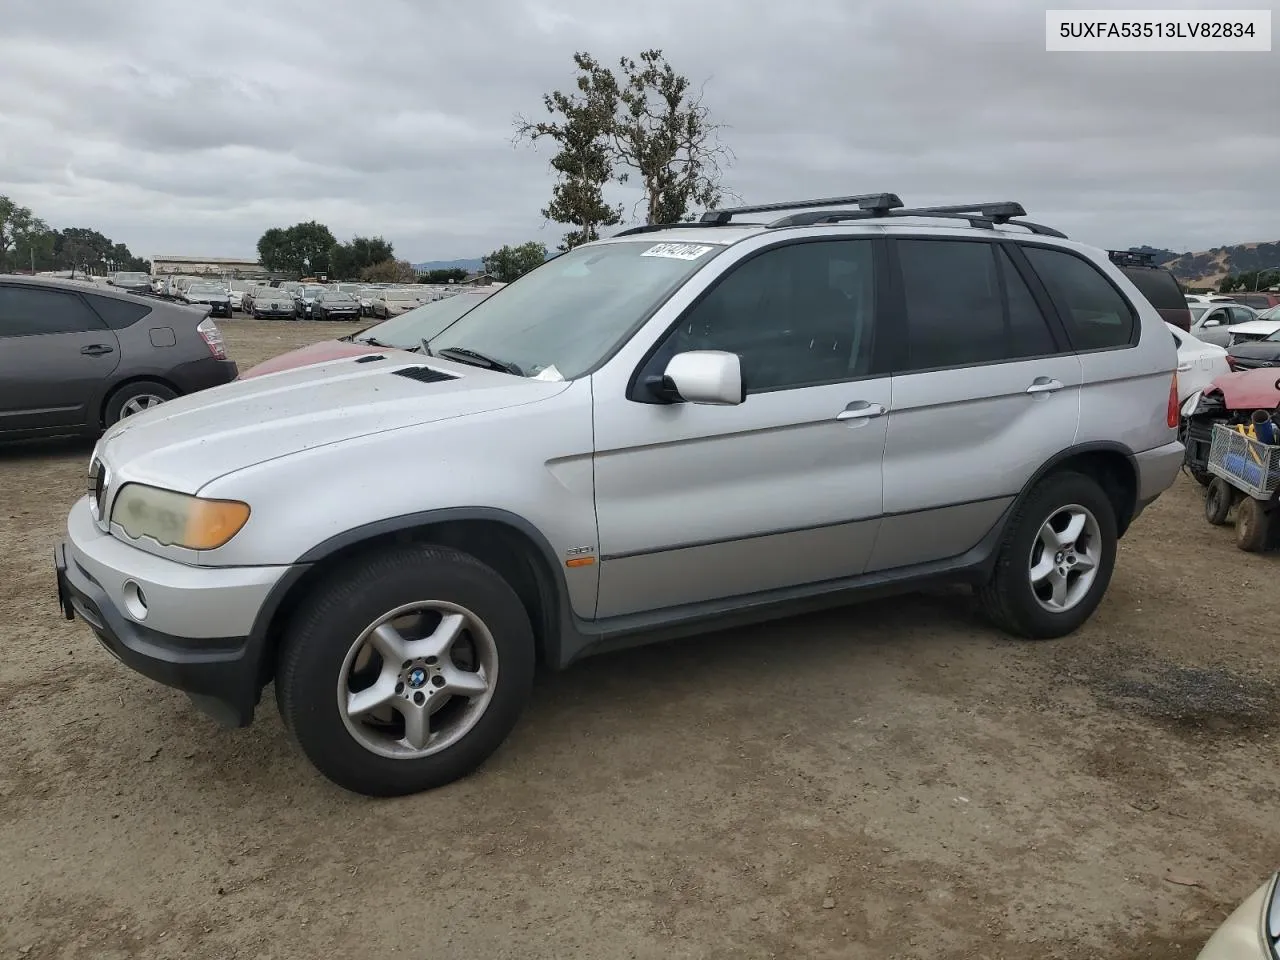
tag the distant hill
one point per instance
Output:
(471, 266)
(1206, 267)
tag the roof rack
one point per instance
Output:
(984, 215)
(1132, 258)
(654, 227)
(864, 201)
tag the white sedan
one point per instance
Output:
(1199, 363)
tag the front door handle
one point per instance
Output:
(96, 349)
(1044, 385)
(860, 410)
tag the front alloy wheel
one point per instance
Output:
(404, 670)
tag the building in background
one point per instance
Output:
(210, 266)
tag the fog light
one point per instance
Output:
(135, 601)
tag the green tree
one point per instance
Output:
(346, 260)
(389, 271)
(449, 275)
(510, 263)
(20, 230)
(302, 249)
(645, 121)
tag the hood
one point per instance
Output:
(321, 352)
(1256, 350)
(1248, 389)
(189, 442)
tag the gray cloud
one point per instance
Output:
(194, 133)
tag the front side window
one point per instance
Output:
(568, 315)
(1097, 317)
(967, 304)
(27, 311)
(796, 316)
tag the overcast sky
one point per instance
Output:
(190, 128)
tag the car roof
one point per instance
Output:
(82, 286)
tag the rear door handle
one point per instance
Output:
(860, 410)
(1044, 385)
(96, 349)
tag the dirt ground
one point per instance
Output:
(891, 780)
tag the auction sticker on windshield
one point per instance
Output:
(677, 251)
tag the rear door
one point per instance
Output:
(985, 391)
(55, 353)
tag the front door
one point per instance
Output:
(54, 354)
(985, 392)
(698, 503)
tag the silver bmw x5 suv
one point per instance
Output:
(672, 430)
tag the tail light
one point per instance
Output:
(212, 338)
(1173, 402)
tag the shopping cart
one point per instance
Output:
(1246, 475)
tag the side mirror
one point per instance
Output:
(1213, 322)
(705, 376)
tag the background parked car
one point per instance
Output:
(212, 295)
(305, 300)
(75, 359)
(1261, 300)
(1155, 283)
(334, 305)
(405, 332)
(1212, 323)
(270, 302)
(1199, 363)
(236, 289)
(130, 282)
(393, 302)
(1253, 330)
(365, 298)
(1249, 354)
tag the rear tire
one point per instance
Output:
(1012, 599)
(134, 398)
(319, 658)
(1217, 501)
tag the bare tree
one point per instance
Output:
(643, 122)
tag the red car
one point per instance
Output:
(405, 332)
(1231, 398)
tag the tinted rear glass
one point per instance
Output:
(1158, 286)
(118, 314)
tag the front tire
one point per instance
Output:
(405, 670)
(1055, 561)
(1217, 501)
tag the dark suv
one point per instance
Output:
(75, 358)
(1157, 284)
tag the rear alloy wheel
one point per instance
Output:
(406, 670)
(1055, 561)
(134, 398)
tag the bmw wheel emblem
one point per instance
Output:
(417, 677)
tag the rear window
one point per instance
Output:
(117, 314)
(1158, 286)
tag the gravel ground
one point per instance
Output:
(891, 780)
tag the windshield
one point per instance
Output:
(310, 291)
(400, 295)
(408, 330)
(1197, 311)
(206, 288)
(331, 295)
(1272, 314)
(572, 312)
(131, 278)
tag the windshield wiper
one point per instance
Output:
(426, 347)
(375, 342)
(477, 359)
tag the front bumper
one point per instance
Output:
(1249, 933)
(203, 629)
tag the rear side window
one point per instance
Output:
(29, 311)
(118, 314)
(1158, 286)
(1096, 315)
(967, 304)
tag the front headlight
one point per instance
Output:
(176, 519)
